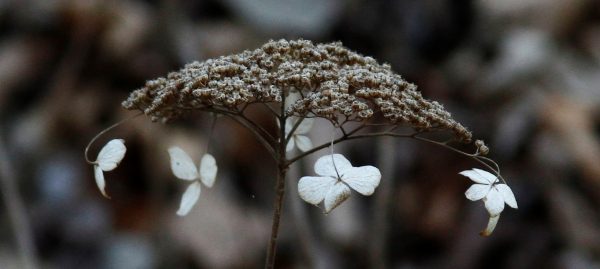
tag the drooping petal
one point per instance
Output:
(304, 126)
(189, 199)
(489, 177)
(507, 195)
(324, 165)
(313, 189)
(290, 145)
(362, 179)
(337, 194)
(490, 226)
(476, 177)
(303, 142)
(111, 154)
(494, 203)
(182, 165)
(98, 174)
(208, 170)
(477, 191)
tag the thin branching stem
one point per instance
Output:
(293, 130)
(267, 144)
(324, 145)
(259, 128)
(273, 112)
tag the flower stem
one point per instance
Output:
(278, 206)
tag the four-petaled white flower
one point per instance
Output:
(108, 159)
(494, 194)
(184, 168)
(299, 138)
(336, 177)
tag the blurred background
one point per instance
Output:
(524, 75)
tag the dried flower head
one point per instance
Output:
(334, 83)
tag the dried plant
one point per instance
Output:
(296, 82)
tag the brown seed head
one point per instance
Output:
(335, 83)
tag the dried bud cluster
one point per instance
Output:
(482, 149)
(335, 83)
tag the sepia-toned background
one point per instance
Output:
(524, 75)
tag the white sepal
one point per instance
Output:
(313, 189)
(507, 195)
(362, 179)
(489, 177)
(337, 194)
(182, 165)
(302, 142)
(490, 226)
(494, 202)
(189, 199)
(304, 126)
(325, 165)
(208, 170)
(111, 154)
(476, 177)
(290, 145)
(477, 192)
(99, 175)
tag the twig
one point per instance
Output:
(16, 211)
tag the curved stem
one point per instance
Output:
(350, 136)
(473, 156)
(103, 132)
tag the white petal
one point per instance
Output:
(362, 179)
(182, 165)
(494, 202)
(290, 145)
(489, 177)
(337, 194)
(208, 170)
(189, 199)
(313, 189)
(490, 226)
(305, 126)
(111, 154)
(98, 174)
(303, 142)
(507, 195)
(477, 191)
(324, 165)
(476, 177)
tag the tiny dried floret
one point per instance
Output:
(335, 83)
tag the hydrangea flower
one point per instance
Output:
(336, 177)
(108, 159)
(494, 194)
(184, 168)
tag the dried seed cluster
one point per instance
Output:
(335, 83)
